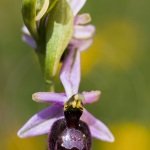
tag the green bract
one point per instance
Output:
(58, 34)
(41, 8)
(50, 23)
(29, 15)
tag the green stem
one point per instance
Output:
(50, 86)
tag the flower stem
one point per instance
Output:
(50, 86)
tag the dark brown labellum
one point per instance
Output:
(70, 133)
(63, 138)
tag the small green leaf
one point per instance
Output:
(41, 8)
(29, 15)
(52, 4)
(43, 11)
(58, 34)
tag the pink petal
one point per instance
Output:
(70, 72)
(91, 97)
(98, 129)
(81, 44)
(29, 40)
(50, 97)
(25, 30)
(76, 5)
(82, 19)
(83, 32)
(41, 122)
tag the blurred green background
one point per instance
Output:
(117, 64)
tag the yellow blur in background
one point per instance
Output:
(129, 136)
(115, 44)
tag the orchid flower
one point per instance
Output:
(42, 122)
